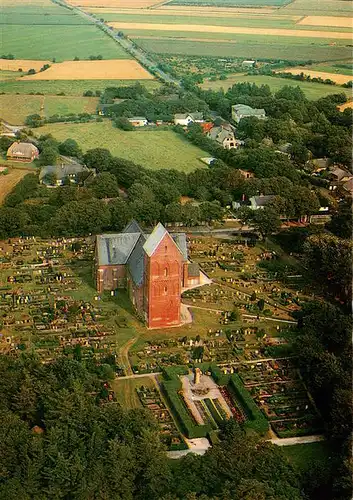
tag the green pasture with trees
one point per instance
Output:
(155, 149)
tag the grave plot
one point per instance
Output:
(282, 397)
(151, 399)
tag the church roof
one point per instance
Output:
(114, 249)
(180, 240)
(136, 261)
(133, 227)
(154, 239)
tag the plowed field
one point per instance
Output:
(119, 69)
(231, 29)
(320, 74)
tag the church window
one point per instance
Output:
(166, 272)
(165, 290)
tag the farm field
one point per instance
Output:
(15, 108)
(93, 70)
(9, 181)
(318, 8)
(20, 14)
(338, 78)
(59, 42)
(312, 91)
(346, 105)
(154, 149)
(231, 3)
(245, 46)
(131, 4)
(231, 29)
(24, 64)
(339, 22)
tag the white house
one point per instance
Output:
(138, 121)
(240, 111)
(184, 119)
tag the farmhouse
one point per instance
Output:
(59, 173)
(224, 137)
(22, 151)
(185, 119)
(259, 202)
(338, 177)
(248, 64)
(240, 111)
(153, 268)
(138, 121)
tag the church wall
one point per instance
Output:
(110, 277)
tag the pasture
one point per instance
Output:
(9, 181)
(154, 149)
(68, 87)
(93, 70)
(245, 46)
(15, 108)
(313, 91)
(59, 42)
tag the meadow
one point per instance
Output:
(68, 87)
(313, 91)
(154, 149)
(244, 46)
(15, 108)
(39, 15)
(59, 42)
(231, 3)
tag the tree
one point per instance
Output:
(98, 158)
(48, 156)
(70, 148)
(266, 221)
(120, 214)
(50, 178)
(341, 221)
(104, 185)
(34, 121)
(123, 123)
(211, 211)
(81, 218)
(173, 212)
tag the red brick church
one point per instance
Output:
(153, 268)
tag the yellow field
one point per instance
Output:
(9, 181)
(320, 74)
(339, 22)
(114, 69)
(346, 105)
(130, 4)
(24, 64)
(231, 29)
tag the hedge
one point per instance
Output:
(257, 419)
(214, 413)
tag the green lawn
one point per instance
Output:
(299, 49)
(154, 149)
(303, 456)
(59, 41)
(312, 91)
(125, 391)
(69, 87)
(15, 108)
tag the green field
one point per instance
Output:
(15, 108)
(61, 42)
(318, 8)
(69, 87)
(154, 149)
(312, 91)
(303, 456)
(231, 3)
(244, 46)
(37, 15)
(125, 390)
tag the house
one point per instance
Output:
(338, 177)
(347, 188)
(259, 202)
(138, 121)
(248, 64)
(22, 151)
(153, 268)
(185, 119)
(62, 172)
(223, 137)
(240, 111)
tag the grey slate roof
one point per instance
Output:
(261, 201)
(244, 109)
(132, 227)
(219, 134)
(114, 249)
(62, 171)
(154, 239)
(136, 261)
(180, 240)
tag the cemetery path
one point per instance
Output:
(124, 355)
(277, 320)
(297, 440)
(140, 375)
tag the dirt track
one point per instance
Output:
(231, 29)
(9, 181)
(118, 69)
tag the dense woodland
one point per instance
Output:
(61, 438)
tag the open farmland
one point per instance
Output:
(15, 108)
(154, 149)
(93, 70)
(312, 91)
(339, 22)
(68, 87)
(9, 181)
(231, 3)
(23, 64)
(338, 78)
(131, 4)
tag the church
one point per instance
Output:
(153, 268)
